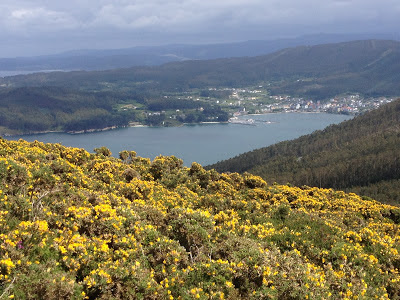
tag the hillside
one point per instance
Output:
(360, 155)
(25, 110)
(35, 109)
(368, 67)
(90, 226)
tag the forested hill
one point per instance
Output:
(32, 109)
(79, 225)
(369, 67)
(361, 155)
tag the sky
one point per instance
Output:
(34, 27)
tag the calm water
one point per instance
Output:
(204, 143)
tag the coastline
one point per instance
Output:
(99, 130)
(93, 130)
(61, 131)
(139, 125)
(289, 112)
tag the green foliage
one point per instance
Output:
(164, 104)
(31, 109)
(104, 151)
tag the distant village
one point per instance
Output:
(256, 100)
(249, 99)
(351, 104)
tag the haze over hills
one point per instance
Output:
(369, 67)
(360, 155)
(157, 55)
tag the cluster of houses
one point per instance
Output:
(348, 104)
(351, 104)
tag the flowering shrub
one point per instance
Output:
(85, 226)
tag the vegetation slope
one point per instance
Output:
(90, 226)
(32, 109)
(37, 109)
(361, 155)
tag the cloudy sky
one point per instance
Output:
(31, 27)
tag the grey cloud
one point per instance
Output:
(160, 21)
(181, 13)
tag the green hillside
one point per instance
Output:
(33, 109)
(53, 108)
(75, 225)
(362, 155)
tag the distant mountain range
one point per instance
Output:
(157, 55)
(360, 155)
(368, 67)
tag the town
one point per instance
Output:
(257, 100)
(350, 104)
(225, 104)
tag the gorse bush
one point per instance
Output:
(75, 225)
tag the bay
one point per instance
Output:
(203, 143)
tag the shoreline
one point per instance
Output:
(288, 112)
(138, 125)
(66, 132)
